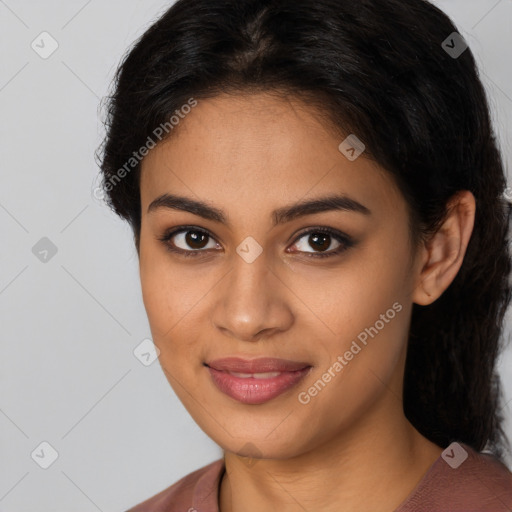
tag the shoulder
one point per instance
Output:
(197, 489)
(463, 480)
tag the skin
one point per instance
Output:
(351, 446)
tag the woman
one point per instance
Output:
(316, 198)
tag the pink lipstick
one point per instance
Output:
(256, 381)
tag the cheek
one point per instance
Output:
(346, 299)
(173, 296)
(165, 299)
(161, 290)
(379, 303)
(166, 312)
(366, 307)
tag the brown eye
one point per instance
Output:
(319, 241)
(322, 243)
(188, 241)
(196, 239)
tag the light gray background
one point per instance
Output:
(69, 326)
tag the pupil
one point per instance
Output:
(321, 241)
(192, 238)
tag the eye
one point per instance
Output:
(188, 241)
(192, 241)
(321, 241)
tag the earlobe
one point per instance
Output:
(422, 295)
(444, 252)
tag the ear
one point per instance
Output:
(442, 255)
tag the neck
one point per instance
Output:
(387, 458)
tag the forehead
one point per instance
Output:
(250, 151)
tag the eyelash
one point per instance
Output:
(345, 241)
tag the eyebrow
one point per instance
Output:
(279, 216)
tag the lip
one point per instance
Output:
(256, 390)
(260, 365)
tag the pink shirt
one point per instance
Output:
(454, 483)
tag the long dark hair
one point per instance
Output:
(378, 69)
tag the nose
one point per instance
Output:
(252, 301)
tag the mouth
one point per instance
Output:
(256, 381)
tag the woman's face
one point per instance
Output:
(256, 285)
